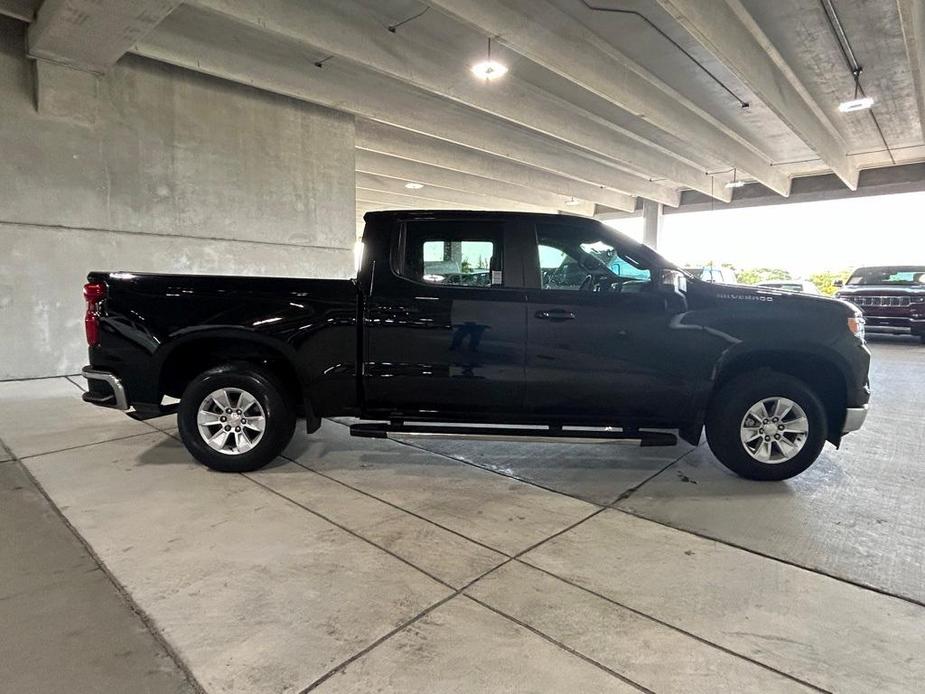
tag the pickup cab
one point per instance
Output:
(483, 324)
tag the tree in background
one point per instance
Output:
(826, 280)
(761, 274)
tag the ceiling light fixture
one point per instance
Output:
(860, 102)
(571, 202)
(735, 182)
(414, 186)
(856, 104)
(489, 69)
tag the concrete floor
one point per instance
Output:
(355, 565)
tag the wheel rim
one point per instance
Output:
(774, 430)
(231, 421)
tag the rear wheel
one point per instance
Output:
(766, 426)
(235, 418)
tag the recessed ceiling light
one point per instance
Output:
(856, 104)
(489, 69)
(735, 182)
(571, 202)
(414, 186)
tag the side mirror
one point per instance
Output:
(838, 283)
(672, 280)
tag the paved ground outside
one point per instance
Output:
(356, 565)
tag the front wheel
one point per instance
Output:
(235, 419)
(766, 426)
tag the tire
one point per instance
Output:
(245, 447)
(731, 418)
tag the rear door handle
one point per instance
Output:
(555, 314)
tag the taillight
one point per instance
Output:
(94, 293)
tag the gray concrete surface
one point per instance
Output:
(464, 647)
(651, 653)
(45, 415)
(587, 471)
(507, 515)
(828, 633)
(254, 592)
(64, 626)
(856, 514)
(153, 168)
(370, 565)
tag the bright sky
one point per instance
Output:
(802, 238)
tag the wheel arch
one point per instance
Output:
(819, 372)
(190, 355)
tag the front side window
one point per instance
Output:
(574, 262)
(453, 253)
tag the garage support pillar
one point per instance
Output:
(652, 226)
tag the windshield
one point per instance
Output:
(897, 276)
(638, 252)
(616, 261)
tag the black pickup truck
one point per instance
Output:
(483, 324)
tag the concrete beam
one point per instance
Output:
(381, 200)
(912, 19)
(725, 28)
(93, 34)
(367, 182)
(215, 45)
(889, 180)
(548, 36)
(20, 9)
(404, 171)
(346, 28)
(379, 137)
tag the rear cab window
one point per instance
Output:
(452, 253)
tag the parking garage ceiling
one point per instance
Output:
(603, 101)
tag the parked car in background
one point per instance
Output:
(717, 275)
(891, 297)
(802, 286)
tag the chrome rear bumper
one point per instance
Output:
(854, 418)
(118, 392)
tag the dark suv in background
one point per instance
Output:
(891, 297)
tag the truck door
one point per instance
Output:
(445, 323)
(599, 342)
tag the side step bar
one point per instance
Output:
(384, 430)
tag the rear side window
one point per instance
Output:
(453, 253)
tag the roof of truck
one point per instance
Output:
(473, 214)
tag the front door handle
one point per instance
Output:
(555, 314)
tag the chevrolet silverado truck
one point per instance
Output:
(892, 298)
(485, 325)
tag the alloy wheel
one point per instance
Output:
(231, 421)
(774, 430)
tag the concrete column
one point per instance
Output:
(152, 168)
(652, 216)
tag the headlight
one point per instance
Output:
(856, 326)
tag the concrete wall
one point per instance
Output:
(153, 168)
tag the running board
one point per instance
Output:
(383, 430)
